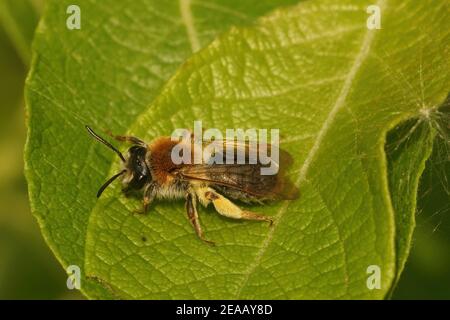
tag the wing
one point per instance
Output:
(247, 177)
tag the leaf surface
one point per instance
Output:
(335, 89)
(104, 74)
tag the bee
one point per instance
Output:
(148, 168)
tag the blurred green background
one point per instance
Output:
(28, 269)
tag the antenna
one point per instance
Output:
(106, 143)
(107, 183)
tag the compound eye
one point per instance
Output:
(138, 164)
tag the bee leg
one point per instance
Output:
(129, 139)
(191, 209)
(228, 209)
(149, 196)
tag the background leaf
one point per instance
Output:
(311, 71)
(426, 274)
(408, 148)
(28, 269)
(19, 19)
(104, 74)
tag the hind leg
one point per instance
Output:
(227, 208)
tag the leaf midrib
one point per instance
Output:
(188, 21)
(363, 53)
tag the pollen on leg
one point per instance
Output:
(228, 209)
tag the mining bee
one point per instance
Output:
(148, 168)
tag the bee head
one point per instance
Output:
(136, 171)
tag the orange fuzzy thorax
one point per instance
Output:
(160, 160)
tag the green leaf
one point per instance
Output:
(335, 89)
(19, 19)
(408, 148)
(426, 274)
(104, 74)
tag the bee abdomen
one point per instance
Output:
(239, 195)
